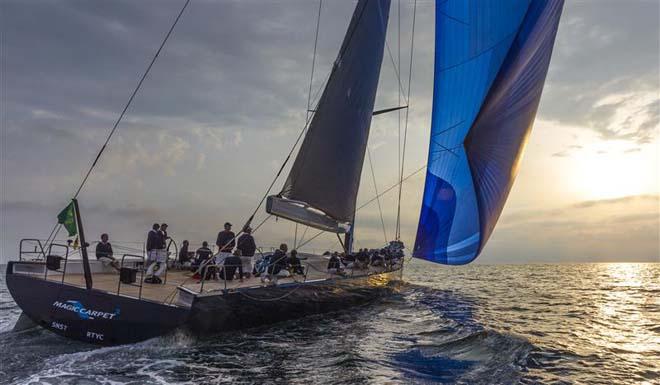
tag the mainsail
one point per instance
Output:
(323, 183)
(491, 60)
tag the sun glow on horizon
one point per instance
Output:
(606, 170)
(566, 164)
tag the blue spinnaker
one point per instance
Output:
(491, 59)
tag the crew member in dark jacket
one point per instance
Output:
(347, 260)
(376, 258)
(246, 243)
(279, 260)
(153, 239)
(163, 235)
(225, 241)
(362, 259)
(202, 255)
(247, 247)
(294, 263)
(334, 265)
(184, 254)
(156, 257)
(277, 263)
(104, 253)
(232, 263)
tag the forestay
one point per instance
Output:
(491, 60)
(323, 183)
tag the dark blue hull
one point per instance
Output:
(259, 306)
(104, 318)
(92, 315)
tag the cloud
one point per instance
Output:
(603, 76)
(615, 201)
(225, 100)
(626, 228)
(129, 211)
(201, 160)
(560, 154)
(633, 116)
(562, 212)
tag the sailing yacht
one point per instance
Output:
(490, 66)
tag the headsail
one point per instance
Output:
(490, 65)
(323, 183)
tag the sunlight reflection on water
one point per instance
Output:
(504, 324)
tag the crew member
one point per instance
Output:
(231, 264)
(376, 258)
(153, 243)
(247, 247)
(294, 265)
(104, 253)
(184, 254)
(362, 259)
(334, 266)
(277, 265)
(156, 254)
(163, 232)
(225, 241)
(202, 255)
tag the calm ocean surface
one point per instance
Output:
(505, 324)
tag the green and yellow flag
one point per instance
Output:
(67, 217)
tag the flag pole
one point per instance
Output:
(83, 247)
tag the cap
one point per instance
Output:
(227, 224)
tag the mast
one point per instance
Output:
(349, 237)
(322, 186)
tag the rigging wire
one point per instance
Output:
(201, 267)
(398, 32)
(311, 82)
(295, 235)
(286, 160)
(370, 201)
(302, 132)
(130, 99)
(373, 177)
(396, 70)
(303, 234)
(405, 130)
(295, 144)
(316, 39)
(55, 231)
(57, 226)
(279, 172)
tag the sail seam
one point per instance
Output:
(498, 43)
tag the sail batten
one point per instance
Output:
(324, 180)
(490, 65)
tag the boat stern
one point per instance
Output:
(93, 316)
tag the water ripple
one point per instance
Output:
(560, 324)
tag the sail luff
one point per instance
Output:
(322, 186)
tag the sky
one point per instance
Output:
(227, 97)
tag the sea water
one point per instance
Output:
(476, 324)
